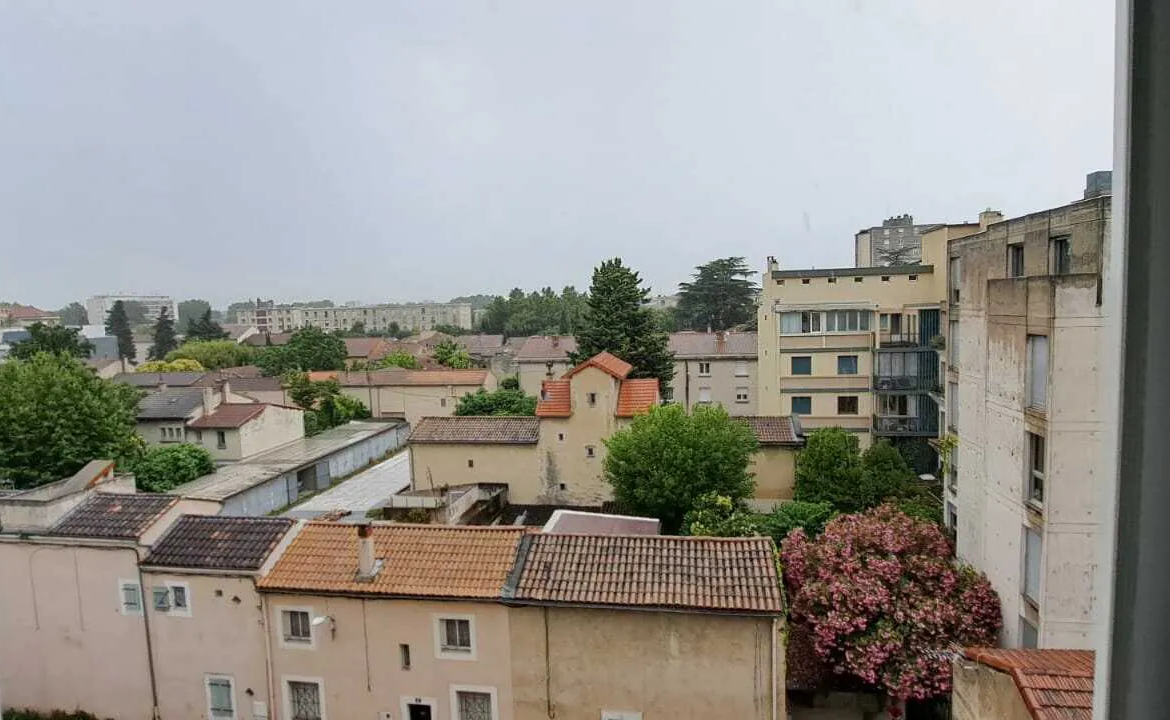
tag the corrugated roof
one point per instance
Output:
(229, 415)
(555, 399)
(399, 376)
(712, 344)
(636, 397)
(417, 561)
(494, 430)
(170, 404)
(773, 429)
(606, 362)
(540, 348)
(1054, 684)
(217, 542)
(734, 575)
(114, 516)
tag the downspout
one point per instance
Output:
(149, 643)
(267, 652)
(775, 632)
(687, 385)
(547, 670)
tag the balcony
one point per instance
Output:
(902, 383)
(898, 339)
(904, 425)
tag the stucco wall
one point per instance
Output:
(666, 665)
(274, 427)
(532, 374)
(981, 693)
(516, 465)
(722, 380)
(775, 471)
(413, 402)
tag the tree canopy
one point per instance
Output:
(399, 359)
(451, 354)
(56, 415)
(618, 321)
(830, 469)
(163, 467)
(715, 515)
(666, 460)
(51, 339)
(165, 366)
(118, 325)
(499, 402)
(192, 310)
(214, 354)
(135, 312)
(720, 296)
(74, 314)
(536, 313)
(324, 404)
(163, 337)
(205, 328)
(308, 349)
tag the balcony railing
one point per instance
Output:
(902, 383)
(899, 339)
(905, 425)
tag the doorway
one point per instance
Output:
(416, 711)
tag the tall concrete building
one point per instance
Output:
(270, 317)
(1023, 318)
(897, 241)
(99, 306)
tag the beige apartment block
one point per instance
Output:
(716, 368)
(411, 394)
(1023, 324)
(272, 318)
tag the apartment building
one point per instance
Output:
(272, 318)
(99, 306)
(715, 368)
(897, 241)
(1023, 323)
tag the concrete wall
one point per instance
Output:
(775, 471)
(665, 665)
(534, 373)
(274, 427)
(414, 402)
(981, 693)
(725, 376)
(517, 465)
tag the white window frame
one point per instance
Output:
(590, 452)
(704, 369)
(485, 689)
(741, 368)
(169, 586)
(1032, 474)
(122, 583)
(221, 440)
(704, 396)
(231, 690)
(286, 693)
(1029, 530)
(280, 610)
(856, 364)
(742, 394)
(443, 654)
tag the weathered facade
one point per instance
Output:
(716, 368)
(271, 318)
(411, 395)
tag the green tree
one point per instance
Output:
(204, 328)
(118, 325)
(715, 515)
(166, 366)
(398, 359)
(618, 321)
(192, 310)
(56, 415)
(324, 404)
(830, 469)
(74, 314)
(453, 330)
(50, 339)
(308, 349)
(885, 475)
(499, 402)
(788, 516)
(135, 312)
(666, 460)
(721, 295)
(451, 354)
(214, 354)
(164, 336)
(163, 467)
(511, 382)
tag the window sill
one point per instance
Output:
(1030, 602)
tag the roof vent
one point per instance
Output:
(368, 566)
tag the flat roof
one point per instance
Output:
(853, 272)
(231, 480)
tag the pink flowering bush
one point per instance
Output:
(882, 601)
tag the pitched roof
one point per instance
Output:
(114, 516)
(491, 429)
(1054, 684)
(229, 415)
(366, 347)
(255, 384)
(734, 575)
(260, 339)
(232, 375)
(481, 344)
(543, 347)
(774, 429)
(217, 542)
(692, 344)
(555, 399)
(605, 362)
(636, 397)
(401, 377)
(170, 404)
(27, 312)
(170, 379)
(417, 560)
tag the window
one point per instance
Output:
(801, 405)
(896, 405)
(198, 437)
(442, 402)
(846, 404)
(164, 433)
(741, 369)
(668, 394)
(221, 439)
(1029, 635)
(704, 368)
(956, 278)
(802, 365)
(455, 637)
(297, 626)
(1037, 372)
(704, 395)
(832, 280)
(473, 703)
(1035, 486)
(404, 655)
(221, 704)
(590, 451)
(1061, 255)
(913, 278)
(953, 404)
(591, 398)
(952, 517)
(130, 597)
(858, 279)
(741, 394)
(560, 437)
(303, 699)
(620, 715)
(800, 323)
(846, 364)
(847, 320)
(885, 278)
(1033, 547)
(805, 281)
(1015, 261)
(470, 463)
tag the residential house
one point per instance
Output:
(207, 624)
(244, 383)
(412, 394)
(482, 348)
(996, 684)
(543, 357)
(106, 369)
(237, 332)
(774, 464)
(452, 451)
(716, 368)
(1023, 328)
(365, 350)
(75, 624)
(158, 380)
(23, 316)
(41, 507)
(234, 431)
(163, 415)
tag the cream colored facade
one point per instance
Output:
(413, 402)
(533, 373)
(774, 468)
(518, 466)
(715, 380)
(415, 316)
(276, 426)
(575, 664)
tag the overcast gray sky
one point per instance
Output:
(381, 150)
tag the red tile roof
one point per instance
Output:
(417, 561)
(1054, 684)
(555, 399)
(774, 429)
(692, 344)
(605, 362)
(27, 312)
(539, 348)
(734, 575)
(479, 429)
(636, 397)
(229, 415)
(367, 348)
(399, 376)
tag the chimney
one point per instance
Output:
(556, 340)
(226, 389)
(989, 217)
(773, 264)
(208, 400)
(368, 567)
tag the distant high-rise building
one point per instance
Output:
(272, 318)
(99, 306)
(897, 241)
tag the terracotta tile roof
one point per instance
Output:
(735, 575)
(28, 312)
(367, 348)
(114, 516)
(322, 375)
(636, 397)
(481, 344)
(605, 362)
(255, 384)
(1054, 684)
(217, 542)
(540, 348)
(774, 429)
(417, 560)
(229, 415)
(492, 430)
(401, 377)
(703, 344)
(555, 399)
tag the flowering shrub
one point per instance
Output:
(882, 601)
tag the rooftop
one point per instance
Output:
(229, 415)
(481, 344)
(853, 271)
(399, 376)
(775, 429)
(114, 516)
(555, 399)
(170, 379)
(606, 362)
(541, 348)
(170, 404)
(492, 430)
(214, 542)
(370, 348)
(417, 561)
(1054, 684)
(570, 521)
(713, 344)
(636, 397)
